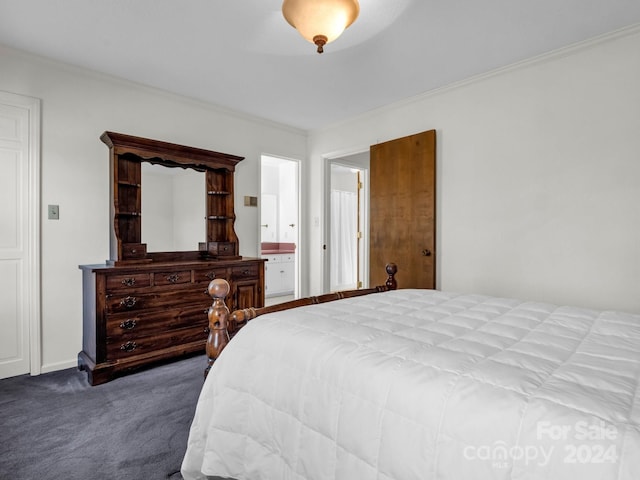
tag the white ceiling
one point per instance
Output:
(243, 55)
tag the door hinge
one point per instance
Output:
(359, 284)
(359, 235)
(360, 185)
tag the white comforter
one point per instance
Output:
(421, 384)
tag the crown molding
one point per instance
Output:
(535, 60)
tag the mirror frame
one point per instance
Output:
(126, 154)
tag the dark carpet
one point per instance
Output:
(56, 426)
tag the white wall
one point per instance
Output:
(538, 182)
(288, 198)
(77, 106)
(269, 202)
(281, 210)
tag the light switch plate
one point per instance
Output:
(250, 201)
(54, 212)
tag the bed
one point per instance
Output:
(422, 384)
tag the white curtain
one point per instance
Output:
(344, 224)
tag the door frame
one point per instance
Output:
(342, 160)
(32, 282)
(298, 239)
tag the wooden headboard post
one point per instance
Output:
(391, 270)
(223, 326)
(218, 315)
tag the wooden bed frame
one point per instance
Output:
(223, 325)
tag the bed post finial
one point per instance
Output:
(218, 315)
(391, 269)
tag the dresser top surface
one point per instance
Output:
(153, 266)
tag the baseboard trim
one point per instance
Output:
(54, 367)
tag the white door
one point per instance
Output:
(19, 235)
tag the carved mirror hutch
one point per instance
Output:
(142, 307)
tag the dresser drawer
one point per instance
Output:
(205, 276)
(172, 278)
(118, 349)
(222, 249)
(279, 258)
(118, 303)
(134, 251)
(125, 325)
(246, 271)
(134, 280)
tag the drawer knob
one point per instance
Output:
(128, 347)
(128, 302)
(128, 324)
(173, 278)
(129, 282)
(211, 276)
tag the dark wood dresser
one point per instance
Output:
(141, 314)
(142, 306)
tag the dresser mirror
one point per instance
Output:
(173, 208)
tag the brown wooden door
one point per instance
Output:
(402, 210)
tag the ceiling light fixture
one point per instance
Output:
(320, 21)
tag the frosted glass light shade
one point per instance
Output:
(320, 21)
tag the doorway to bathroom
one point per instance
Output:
(279, 227)
(348, 213)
